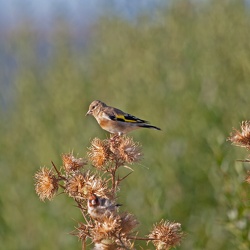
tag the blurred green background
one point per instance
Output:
(186, 69)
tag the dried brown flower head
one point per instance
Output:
(99, 153)
(114, 230)
(128, 223)
(129, 151)
(83, 185)
(114, 143)
(74, 186)
(106, 232)
(124, 149)
(109, 227)
(97, 185)
(70, 163)
(82, 231)
(242, 138)
(166, 234)
(46, 184)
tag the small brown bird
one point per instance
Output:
(99, 207)
(114, 120)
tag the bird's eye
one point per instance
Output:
(93, 107)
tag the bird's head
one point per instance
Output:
(95, 107)
(93, 201)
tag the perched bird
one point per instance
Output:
(114, 120)
(99, 207)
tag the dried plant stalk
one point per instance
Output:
(95, 194)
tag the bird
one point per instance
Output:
(114, 120)
(100, 207)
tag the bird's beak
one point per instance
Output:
(88, 113)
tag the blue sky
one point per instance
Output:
(42, 11)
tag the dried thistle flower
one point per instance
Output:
(166, 235)
(99, 153)
(110, 225)
(129, 151)
(82, 231)
(97, 185)
(108, 228)
(128, 223)
(46, 184)
(113, 231)
(124, 149)
(70, 163)
(83, 185)
(242, 138)
(74, 186)
(115, 142)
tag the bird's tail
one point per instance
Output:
(148, 126)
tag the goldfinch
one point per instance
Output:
(114, 120)
(99, 207)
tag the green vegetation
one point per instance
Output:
(187, 70)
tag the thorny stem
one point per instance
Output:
(83, 245)
(79, 205)
(55, 168)
(119, 238)
(57, 171)
(90, 225)
(112, 172)
(113, 180)
(116, 181)
(140, 238)
(123, 178)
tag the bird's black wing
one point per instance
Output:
(118, 115)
